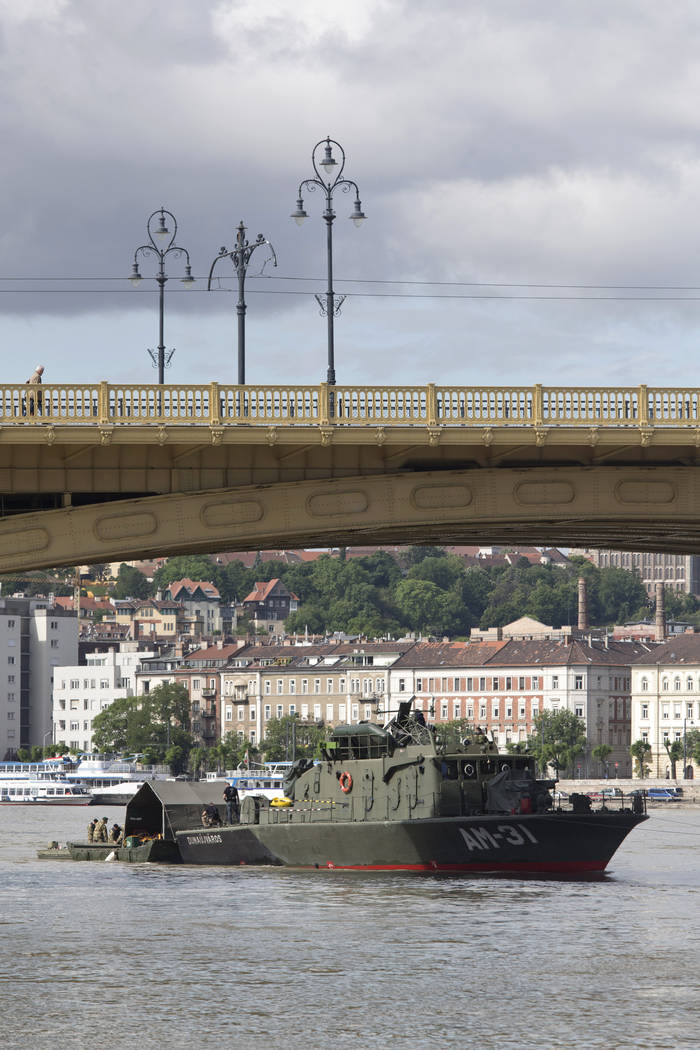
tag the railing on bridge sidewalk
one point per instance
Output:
(217, 404)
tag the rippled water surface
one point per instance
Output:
(115, 956)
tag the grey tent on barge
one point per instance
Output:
(163, 807)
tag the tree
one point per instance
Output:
(154, 722)
(131, 583)
(640, 751)
(674, 750)
(601, 753)
(288, 737)
(692, 745)
(559, 737)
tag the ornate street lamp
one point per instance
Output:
(240, 257)
(162, 247)
(329, 180)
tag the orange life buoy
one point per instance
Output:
(345, 781)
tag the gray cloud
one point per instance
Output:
(514, 143)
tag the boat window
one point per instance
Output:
(449, 770)
(487, 765)
(50, 791)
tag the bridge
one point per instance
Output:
(102, 472)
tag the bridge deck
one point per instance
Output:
(258, 466)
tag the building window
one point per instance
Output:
(329, 685)
(317, 685)
(402, 685)
(482, 684)
(664, 711)
(356, 711)
(280, 710)
(496, 711)
(305, 711)
(305, 685)
(293, 686)
(268, 712)
(229, 712)
(555, 681)
(444, 714)
(645, 711)
(578, 681)
(496, 685)
(521, 683)
(578, 710)
(535, 681)
(268, 686)
(645, 685)
(458, 709)
(279, 689)
(329, 712)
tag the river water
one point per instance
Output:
(143, 957)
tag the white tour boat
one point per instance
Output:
(266, 780)
(40, 783)
(113, 780)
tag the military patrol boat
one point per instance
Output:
(397, 798)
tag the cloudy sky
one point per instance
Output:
(530, 172)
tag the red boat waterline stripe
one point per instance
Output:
(558, 868)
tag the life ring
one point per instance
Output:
(469, 770)
(345, 781)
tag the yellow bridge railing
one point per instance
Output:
(217, 404)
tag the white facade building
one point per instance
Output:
(35, 638)
(666, 701)
(82, 691)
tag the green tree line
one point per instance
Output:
(425, 590)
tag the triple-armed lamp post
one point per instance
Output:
(162, 243)
(240, 257)
(329, 181)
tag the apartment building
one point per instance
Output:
(82, 691)
(666, 700)
(502, 685)
(330, 683)
(680, 572)
(35, 638)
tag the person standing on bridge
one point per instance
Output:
(35, 380)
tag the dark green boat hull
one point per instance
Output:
(550, 843)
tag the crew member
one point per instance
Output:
(101, 831)
(115, 834)
(91, 829)
(233, 807)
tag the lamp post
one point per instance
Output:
(240, 257)
(166, 240)
(329, 181)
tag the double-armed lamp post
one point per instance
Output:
(329, 179)
(161, 244)
(240, 257)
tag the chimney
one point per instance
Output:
(582, 605)
(660, 632)
(499, 634)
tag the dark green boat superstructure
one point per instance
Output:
(397, 798)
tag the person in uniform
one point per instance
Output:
(101, 831)
(115, 834)
(233, 808)
(91, 829)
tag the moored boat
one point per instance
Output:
(397, 798)
(40, 783)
